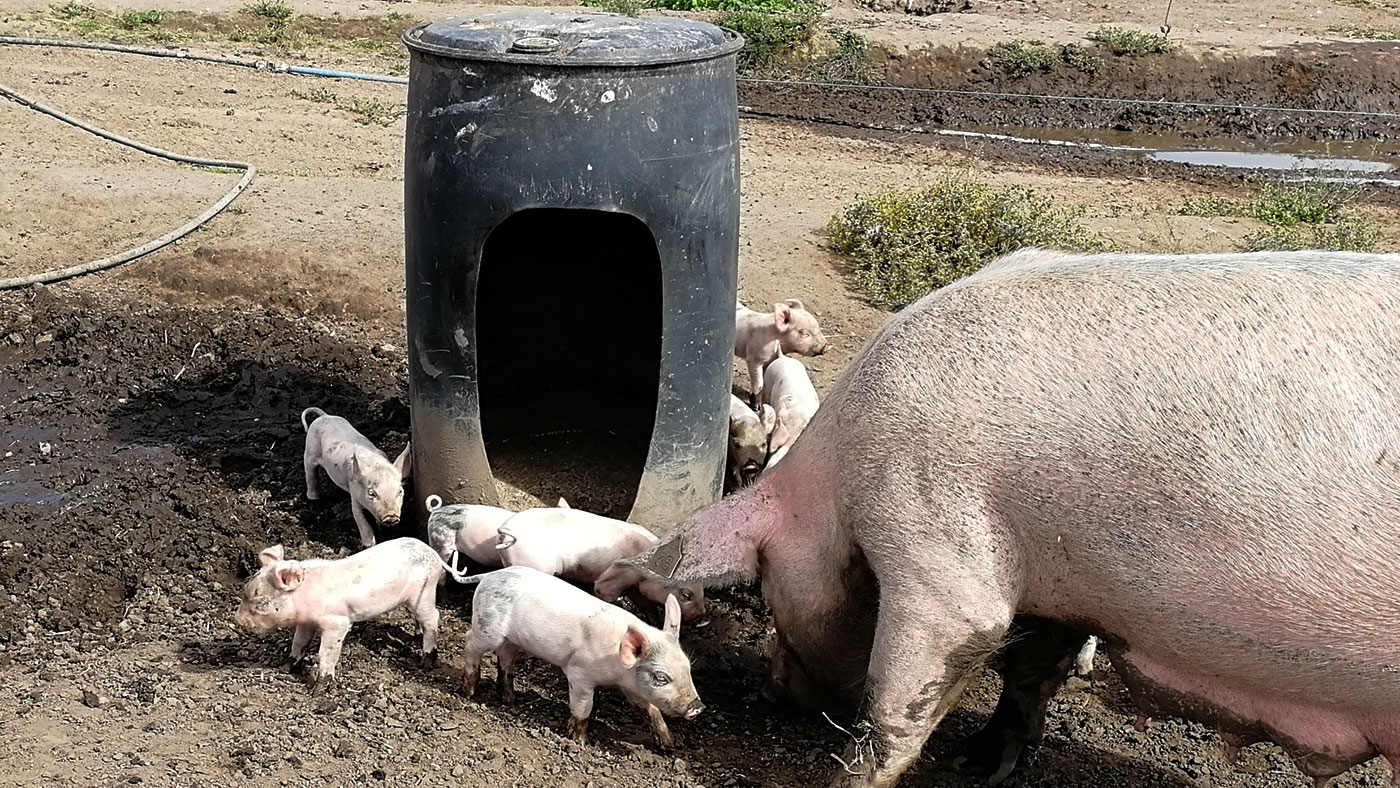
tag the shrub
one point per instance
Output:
(1122, 41)
(1022, 58)
(272, 11)
(768, 36)
(1282, 204)
(1080, 58)
(849, 63)
(904, 244)
(1351, 234)
(1312, 202)
(133, 20)
(628, 7)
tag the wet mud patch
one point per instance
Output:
(1347, 77)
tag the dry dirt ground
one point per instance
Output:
(149, 445)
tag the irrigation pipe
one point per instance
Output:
(260, 65)
(249, 172)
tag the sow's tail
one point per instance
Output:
(306, 425)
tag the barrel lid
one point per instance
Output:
(572, 38)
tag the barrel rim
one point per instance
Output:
(734, 41)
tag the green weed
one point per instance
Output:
(904, 244)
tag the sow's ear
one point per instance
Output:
(708, 553)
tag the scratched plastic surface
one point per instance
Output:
(583, 38)
(571, 247)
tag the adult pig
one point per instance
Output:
(1193, 457)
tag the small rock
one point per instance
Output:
(45, 449)
(93, 700)
(342, 749)
(44, 338)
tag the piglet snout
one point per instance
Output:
(391, 520)
(823, 349)
(694, 710)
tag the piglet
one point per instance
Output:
(519, 609)
(748, 440)
(760, 337)
(794, 400)
(357, 466)
(326, 597)
(1084, 660)
(579, 546)
(469, 529)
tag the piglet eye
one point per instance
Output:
(804, 332)
(371, 493)
(660, 679)
(687, 595)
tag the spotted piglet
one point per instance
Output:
(518, 609)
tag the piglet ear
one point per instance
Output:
(290, 575)
(404, 463)
(769, 418)
(634, 647)
(271, 555)
(612, 582)
(782, 316)
(779, 437)
(672, 626)
(563, 504)
(794, 303)
(355, 463)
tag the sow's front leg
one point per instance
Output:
(934, 632)
(1036, 662)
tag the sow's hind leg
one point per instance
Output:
(1036, 662)
(941, 617)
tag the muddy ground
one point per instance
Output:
(149, 442)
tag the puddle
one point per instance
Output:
(1257, 160)
(19, 492)
(1343, 160)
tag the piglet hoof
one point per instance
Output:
(578, 729)
(469, 680)
(323, 683)
(430, 660)
(507, 694)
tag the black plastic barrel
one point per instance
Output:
(571, 185)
